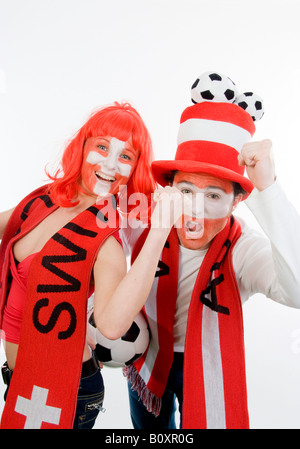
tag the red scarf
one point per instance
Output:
(214, 388)
(44, 387)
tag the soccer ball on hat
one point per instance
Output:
(212, 86)
(252, 104)
(123, 351)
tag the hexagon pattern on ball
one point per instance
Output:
(212, 86)
(251, 103)
(124, 350)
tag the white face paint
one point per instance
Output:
(211, 201)
(108, 164)
(111, 163)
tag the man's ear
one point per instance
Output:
(237, 199)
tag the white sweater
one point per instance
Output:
(262, 265)
(268, 265)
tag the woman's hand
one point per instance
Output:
(169, 206)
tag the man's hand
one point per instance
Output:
(258, 159)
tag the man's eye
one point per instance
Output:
(186, 191)
(213, 196)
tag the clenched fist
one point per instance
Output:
(168, 207)
(258, 159)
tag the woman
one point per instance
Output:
(111, 150)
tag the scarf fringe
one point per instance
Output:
(150, 401)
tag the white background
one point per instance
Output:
(60, 59)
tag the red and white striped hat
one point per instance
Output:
(210, 137)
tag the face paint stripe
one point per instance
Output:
(94, 158)
(104, 173)
(217, 194)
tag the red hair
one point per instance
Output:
(118, 120)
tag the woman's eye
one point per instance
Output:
(125, 156)
(186, 191)
(102, 147)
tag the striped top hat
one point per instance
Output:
(213, 131)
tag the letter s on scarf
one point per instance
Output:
(49, 326)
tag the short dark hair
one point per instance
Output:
(237, 189)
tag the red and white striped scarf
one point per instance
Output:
(214, 387)
(44, 388)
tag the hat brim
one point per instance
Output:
(163, 172)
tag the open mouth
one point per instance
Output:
(103, 177)
(194, 229)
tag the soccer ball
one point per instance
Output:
(252, 104)
(216, 87)
(125, 350)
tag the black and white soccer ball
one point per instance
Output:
(252, 104)
(125, 350)
(212, 86)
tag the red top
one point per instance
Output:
(14, 308)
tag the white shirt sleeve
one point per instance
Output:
(270, 265)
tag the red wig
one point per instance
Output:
(121, 121)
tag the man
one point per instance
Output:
(194, 277)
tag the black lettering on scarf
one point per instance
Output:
(212, 302)
(162, 268)
(73, 284)
(58, 309)
(99, 214)
(45, 198)
(79, 230)
(24, 214)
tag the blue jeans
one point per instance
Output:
(89, 401)
(142, 419)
